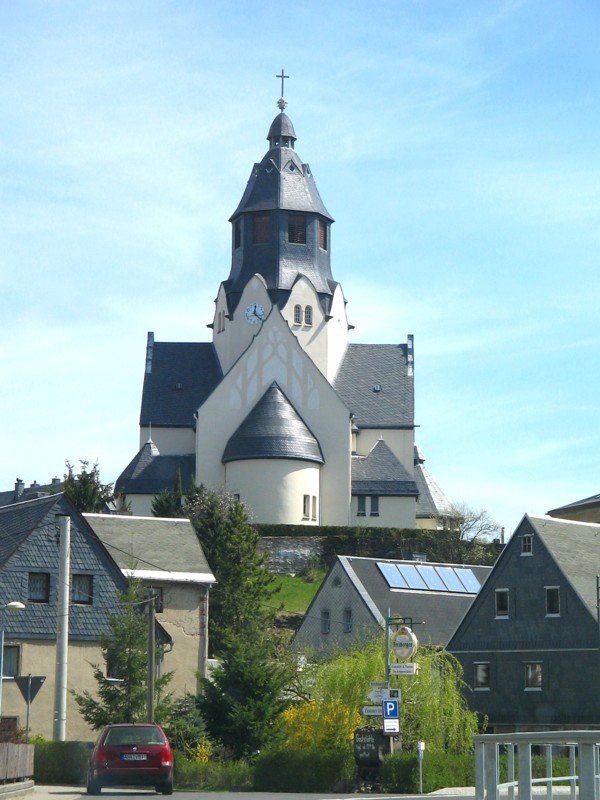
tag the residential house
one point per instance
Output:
(586, 510)
(530, 643)
(358, 593)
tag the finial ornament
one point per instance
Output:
(281, 103)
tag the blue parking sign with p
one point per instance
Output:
(390, 709)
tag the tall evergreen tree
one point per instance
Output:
(85, 489)
(169, 503)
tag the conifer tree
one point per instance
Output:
(85, 489)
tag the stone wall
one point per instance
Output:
(288, 555)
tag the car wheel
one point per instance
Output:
(93, 786)
(166, 788)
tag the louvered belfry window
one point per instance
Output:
(322, 234)
(297, 228)
(260, 231)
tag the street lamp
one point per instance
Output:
(13, 606)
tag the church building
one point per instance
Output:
(280, 408)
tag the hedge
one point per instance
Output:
(304, 771)
(61, 763)
(400, 772)
(231, 776)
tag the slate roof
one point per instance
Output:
(587, 502)
(440, 612)
(167, 548)
(273, 185)
(432, 501)
(179, 377)
(366, 366)
(30, 492)
(381, 473)
(575, 546)
(150, 473)
(273, 429)
(18, 520)
(281, 126)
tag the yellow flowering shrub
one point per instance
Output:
(319, 724)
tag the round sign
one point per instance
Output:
(404, 643)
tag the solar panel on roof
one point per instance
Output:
(448, 575)
(411, 576)
(392, 576)
(469, 580)
(432, 579)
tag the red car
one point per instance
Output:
(131, 755)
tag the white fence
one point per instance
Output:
(582, 781)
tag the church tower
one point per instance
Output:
(280, 408)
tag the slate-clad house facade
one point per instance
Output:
(280, 408)
(29, 558)
(353, 601)
(530, 643)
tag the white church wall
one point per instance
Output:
(338, 333)
(170, 441)
(400, 442)
(279, 495)
(237, 334)
(275, 355)
(140, 505)
(394, 512)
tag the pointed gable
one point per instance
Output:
(381, 473)
(273, 429)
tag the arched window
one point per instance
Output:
(297, 315)
(308, 315)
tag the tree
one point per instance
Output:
(85, 489)
(125, 648)
(244, 590)
(245, 695)
(472, 525)
(170, 501)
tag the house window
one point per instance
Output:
(237, 233)
(82, 587)
(157, 591)
(313, 513)
(39, 587)
(297, 228)
(533, 676)
(306, 506)
(552, 601)
(361, 505)
(10, 664)
(297, 315)
(527, 545)
(325, 621)
(502, 603)
(308, 315)
(260, 228)
(322, 234)
(347, 619)
(374, 505)
(481, 675)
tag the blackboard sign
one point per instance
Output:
(369, 746)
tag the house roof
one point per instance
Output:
(432, 501)
(153, 548)
(587, 502)
(381, 473)
(273, 429)
(18, 520)
(375, 382)
(32, 492)
(179, 377)
(150, 473)
(575, 546)
(440, 612)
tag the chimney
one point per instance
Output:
(19, 488)
(55, 481)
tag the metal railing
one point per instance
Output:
(582, 782)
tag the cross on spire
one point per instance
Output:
(281, 102)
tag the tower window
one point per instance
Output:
(297, 228)
(260, 229)
(297, 315)
(308, 315)
(306, 506)
(374, 505)
(237, 233)
(322, 234)
(313, 513)
(361, 505)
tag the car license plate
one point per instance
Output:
(133, 756)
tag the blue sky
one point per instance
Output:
(455, 144)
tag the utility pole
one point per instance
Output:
(62, 630)
(151, 657)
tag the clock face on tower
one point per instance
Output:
(254, 314)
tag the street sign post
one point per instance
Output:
(29, 686)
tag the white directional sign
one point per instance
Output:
(379, 695)
(391, 726)
(379, 684)
(411, 668)
(371, 711)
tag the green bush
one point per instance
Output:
(400, 772)
(61, 762)
(213, 776)
(304, 771)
